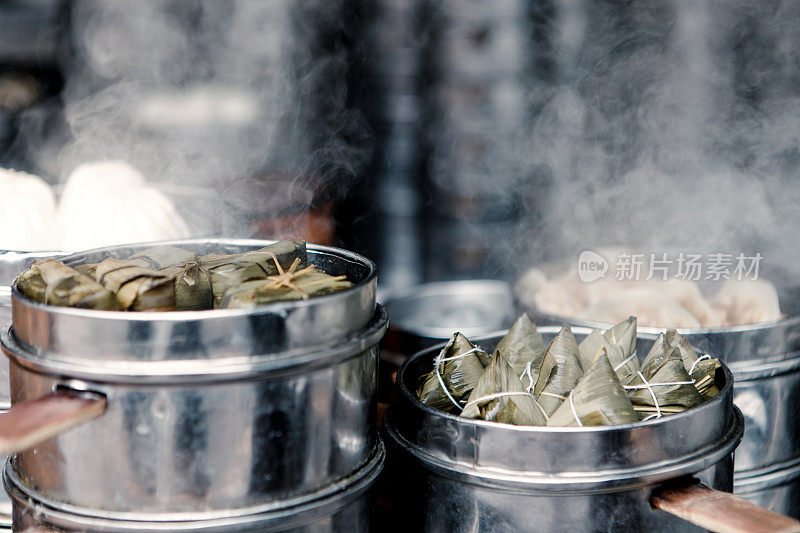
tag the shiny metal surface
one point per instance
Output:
(469, 475)
(11, 264)
(342, 507)
(765, 361)
(777, 489)
(208, 411)
(239, 437)
(81, 335)
(768, 396)
(429, 314)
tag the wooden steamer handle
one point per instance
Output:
(28, 423)
(720, 511)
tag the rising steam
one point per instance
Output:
(668, 124)
(204, 96)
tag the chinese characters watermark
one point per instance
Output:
(662, 266)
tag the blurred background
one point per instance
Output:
(446, 139)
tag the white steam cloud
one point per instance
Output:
(668, 124)
(238, 109)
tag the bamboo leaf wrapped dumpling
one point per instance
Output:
(619, 343)
(500, 397)
(192, 284)
(160, 257)
(702, 371)
(456, 371)
(597, 400)
(623, 336)
(591, 347)
(136, 288)
(522, 345)
(234, 269)
(559, 371)
(290, 285)
(52, 282)
(662, 386)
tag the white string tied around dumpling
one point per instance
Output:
(704, 357)
(437, 362)
(494, 396)
(626, 361)
(574, 411)
(530, 375)
(649, 386)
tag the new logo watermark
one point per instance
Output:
(662, 266)
(591, 266)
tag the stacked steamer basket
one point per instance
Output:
(11, 264)
(765, 361)
(469, 475)
(228, 420)
(395, 40)
(476, 63)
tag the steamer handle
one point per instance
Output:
(720, 511)
(31, 422)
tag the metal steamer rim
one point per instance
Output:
(237, 368)
(481, 340)
(600, 481)
(234, 246)
(128, 342)
(295, 511)
(695, 460)
(477, 287)
(767, 478)
(742, 345)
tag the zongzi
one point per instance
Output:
(160, 257)
(599, 382)
(597, 400)
(499, 396)
(292, 284)
(52, 282)
(559, 371)
(456, 371)
(702, 370)
(662, 385)
(619, 343)
(192, 284)
(235, 269)
(137, 288)
(522, 345)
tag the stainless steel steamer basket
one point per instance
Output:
(207, 411)
(63, 334)
(344, 507)
(11, 263)
(765, 360)
(777, 489)
(428, 314)
(468, 474)
(736, 345)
